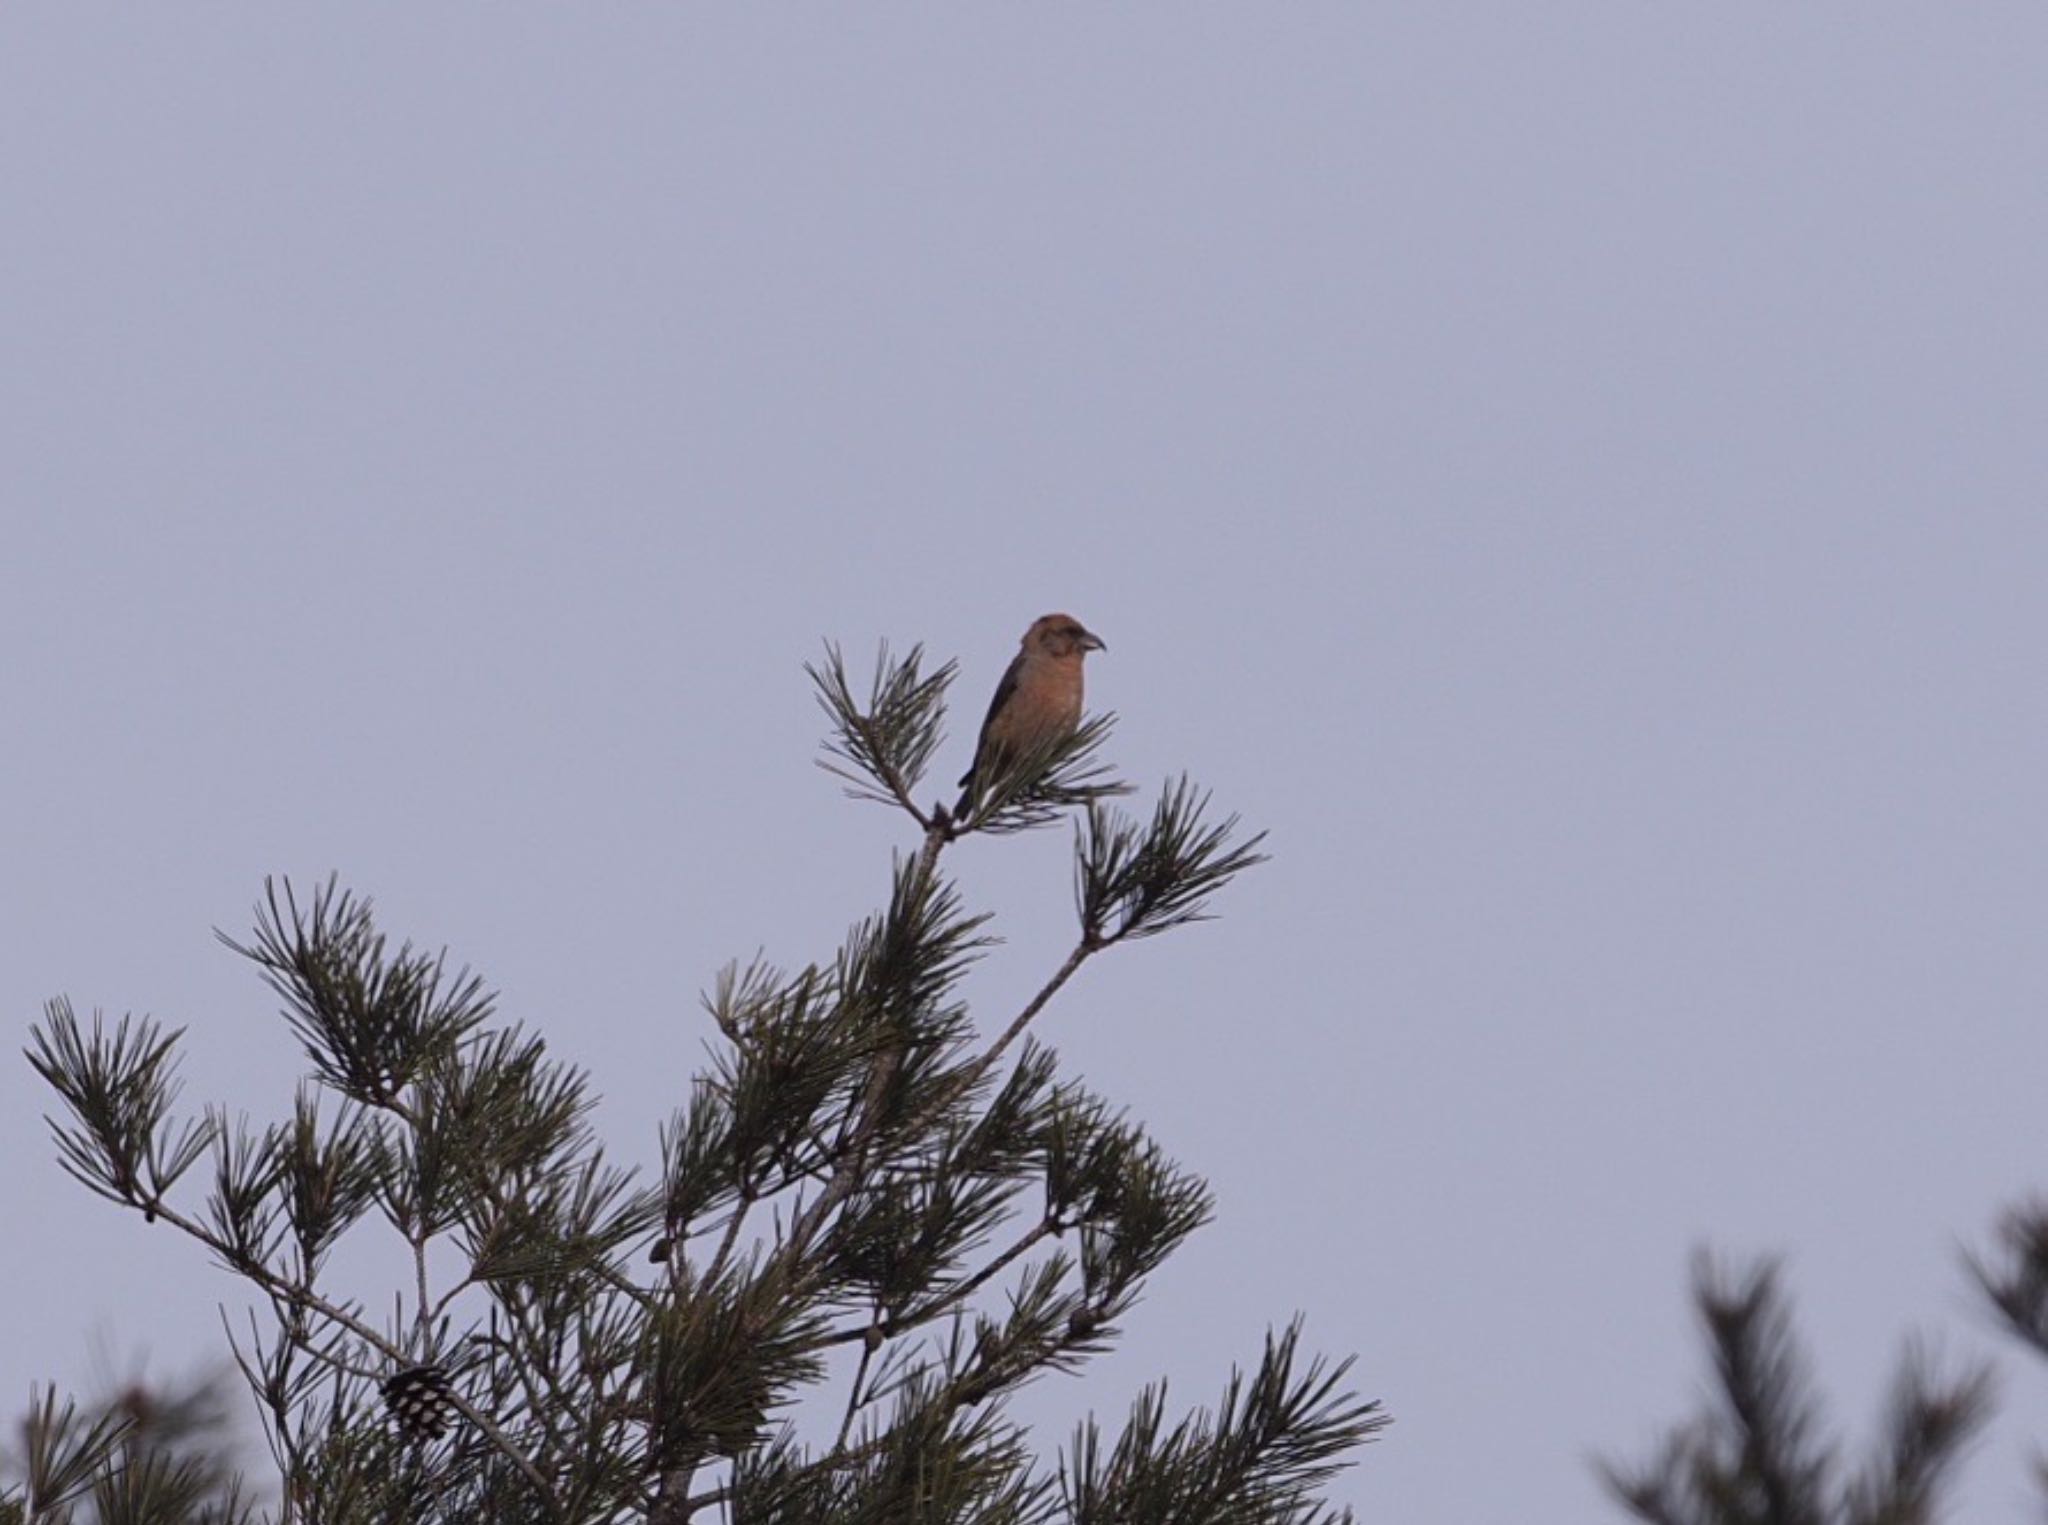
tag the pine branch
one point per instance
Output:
(2016, 1282)
(120, 1090)
(936, 1459)
(1132, 881)
(882, 750)
(1256, 1461)
(367, 1020)
(894, 981)
(1134, 1206)
(291, 1293)
(1752, 1455)
(952, 1297)
(1932, 1420)
(326, 1181)
(1764, 1385)
(1069, 967)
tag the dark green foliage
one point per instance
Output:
(328, 1178)
(718, 1360)
(1132, 1204)
(1258, 1460)
(1756, 1456)
(883, 750)
(929, 1462)
(120, 1087)
(367, 1021)
(245, 1211)
(1135, 881)
(871, 1225)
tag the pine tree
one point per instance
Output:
(874, 1221)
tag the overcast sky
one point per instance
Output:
(1573, 472)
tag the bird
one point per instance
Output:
(1037, 702)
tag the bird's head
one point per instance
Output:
(1061, 635)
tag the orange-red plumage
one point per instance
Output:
(1038, 700)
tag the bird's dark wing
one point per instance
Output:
(1004, 690)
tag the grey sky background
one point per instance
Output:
(1575, 473)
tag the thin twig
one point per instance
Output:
(525, 1371)
(872, 1342)
(891, 777)
(297, 1332)
(505, 1447)
(291, 1292)
(423, 1323)
(965, 1080)
(442, 1303)
(935, 840)
(740, 1209)
(1030, 1012)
